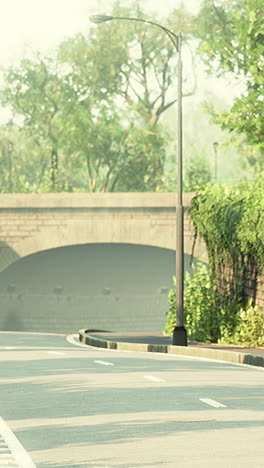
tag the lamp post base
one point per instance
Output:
(179, 336)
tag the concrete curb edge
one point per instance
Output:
(216, 354)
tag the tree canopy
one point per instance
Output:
(96, 105)
(91, 115)
(232, 41)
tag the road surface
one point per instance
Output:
(75, 407)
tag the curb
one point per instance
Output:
(216, 354)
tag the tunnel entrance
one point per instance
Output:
(115, 287)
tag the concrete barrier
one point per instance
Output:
(192, 351)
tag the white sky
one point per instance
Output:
(40, 25)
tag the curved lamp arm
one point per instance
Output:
(103, 18)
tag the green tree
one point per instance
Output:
(23, 162)
(34, 91)
(196, 173)
(137, 61)
(232, 41)
(96, 105)
(133, 66)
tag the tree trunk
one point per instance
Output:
(54, 168)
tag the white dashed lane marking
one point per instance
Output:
(213, 403)
(12, 453)
(104, 363)
(153, 378)
(54, 352)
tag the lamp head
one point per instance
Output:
(100, 18)
(215, 145)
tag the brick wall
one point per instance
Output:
(31, 223)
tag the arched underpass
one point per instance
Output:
(116, 287)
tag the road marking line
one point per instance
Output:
(153, 378)
(55, 352)
(213, 403)
(20, 457)
(104, 363)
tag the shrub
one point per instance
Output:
(204, 322)
(201, 317)
(249, 330)
(171, 314)
(230, 221)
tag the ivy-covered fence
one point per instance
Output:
(230, 220)
(221, 304)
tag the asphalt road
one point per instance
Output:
(77, 407)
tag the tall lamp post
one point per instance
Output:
(179, 333)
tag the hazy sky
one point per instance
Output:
(42, 24)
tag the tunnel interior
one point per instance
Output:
(121, 287)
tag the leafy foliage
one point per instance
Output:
(171, 314)
(252, 240)
(224, 218)
(197, 173)
(249, 330)
(95, 106)
(232, 41)
(201, 317)
(205, 322)
(19, 172)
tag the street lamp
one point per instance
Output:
(215, 146)
(179, 333)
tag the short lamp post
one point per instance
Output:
(215, 146)
(179, 333)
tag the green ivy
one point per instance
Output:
(171, 314)
(251, 228)
(201, 316)
(230, 220)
